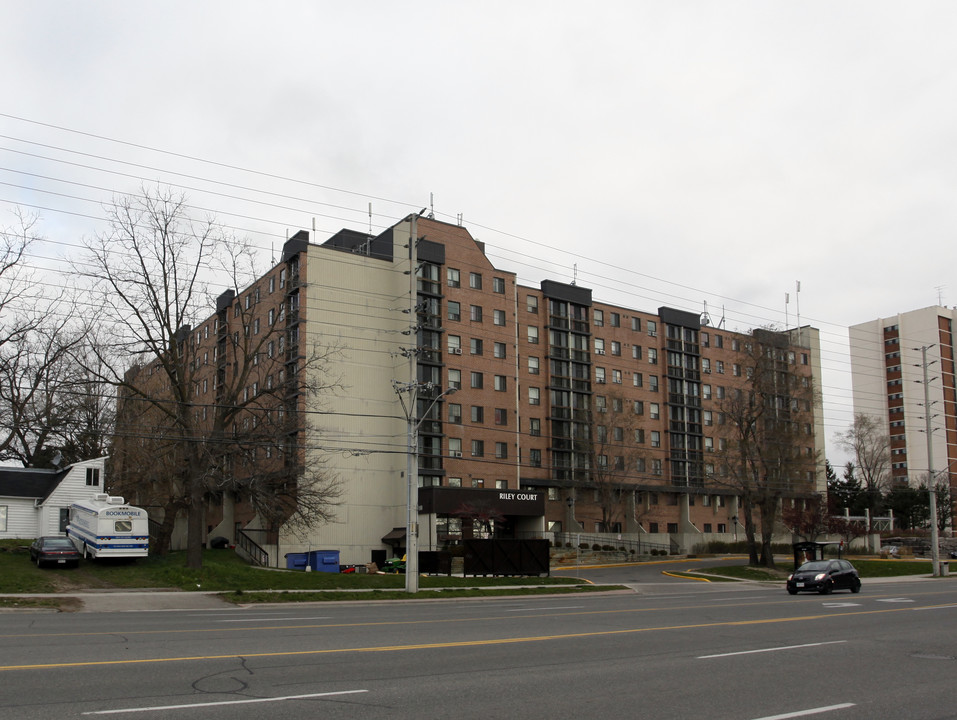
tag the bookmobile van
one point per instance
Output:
(105, 526)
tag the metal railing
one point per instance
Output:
(251, 549)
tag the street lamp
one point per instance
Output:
(412, 477)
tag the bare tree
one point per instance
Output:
(613, 456)
(151, 270)
(39, 381)
(767, 455)
(807, 520)
(870, 445)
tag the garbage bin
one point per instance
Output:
(324, 560)
(296, 561)
(944, 568)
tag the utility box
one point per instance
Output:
(324, 560)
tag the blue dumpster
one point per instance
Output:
(324, 560)
(296, 561)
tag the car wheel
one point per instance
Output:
(826, 588)
(856, 587)
(792, 591)
(38, 561)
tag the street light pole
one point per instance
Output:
(931, 482)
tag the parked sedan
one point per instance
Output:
(823, 576)
(54, 550)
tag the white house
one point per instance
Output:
(36, 502)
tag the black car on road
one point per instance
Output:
(823, 576)
(54, 550)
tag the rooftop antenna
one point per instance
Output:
(459, 221)
(797, 303)
(940, 294)
(575, 274)
(370, 218)
(431, 206)
(721, 322)
(705, 317)
(787, 299)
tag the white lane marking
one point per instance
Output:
(223, 702)
(841, 604)
(937, 607)
(284, 619)
(896, 600)
(774, 649)
(532, 609)
(804, 713)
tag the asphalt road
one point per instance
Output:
(673, 649)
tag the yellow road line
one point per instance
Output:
(456, 644)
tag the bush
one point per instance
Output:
(596, 547)
(608, 548)
(583, 546)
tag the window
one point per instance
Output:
(639, 407)
(653, 383)
(601, 403)
(706, 392)
(640, 465)
(455, 447)
(636, 324)
(614, 319)
(475, 313)
(599, 318)
(719, 393)
(600, 375)
(478, 380)
(535, 460)
(636, 379)
(616, 377)
(652, 327)
(640, 436)
(708, 418)
(475, 346)
(599, 346)
(455, 482)
(454, 311)
(705, 365)
(478, 414)
(535, 427)
(655, 438)
(636, 352)
(533, 334)
(282, 278)
(475, 281)
(615, 347)
(455, 413)
(455, 379)
(709, 444)
(256, 326)
(478, 448)
(654, 411)
(531, 303)
(498, 350)
(533, 365)
(501, 383)
(719, 366)
(498, 317)
(452, 276)
(656, 467)
(501, 450)
(534, 396)
(498, 285)
(93, 477)
(736, 370)
(272, 284)
(652, 356)
(455, 344)
(501, 416)
(501, 485)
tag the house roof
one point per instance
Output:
(29, 482)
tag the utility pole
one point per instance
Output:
(412, 464)
(931, 484)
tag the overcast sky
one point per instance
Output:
(679, 153)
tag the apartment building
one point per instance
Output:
(888, 358)
(533, 409)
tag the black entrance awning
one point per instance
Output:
(396, 535)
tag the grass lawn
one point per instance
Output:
(222, 570)
(866, 568)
